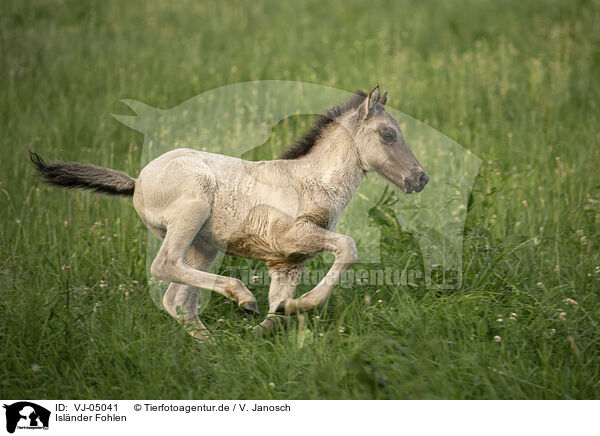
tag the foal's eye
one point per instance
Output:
(388, 135)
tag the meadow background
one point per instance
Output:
(517, 83)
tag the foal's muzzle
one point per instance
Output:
(416, 182)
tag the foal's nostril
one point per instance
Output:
(423, 178)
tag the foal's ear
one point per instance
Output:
(370, 102)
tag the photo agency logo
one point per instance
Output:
(24, 415)
(257, 121)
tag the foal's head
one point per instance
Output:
(372, 133)
(381, 146)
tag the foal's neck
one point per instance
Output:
(333, 163)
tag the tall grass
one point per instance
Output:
(517, 83)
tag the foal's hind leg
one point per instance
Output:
(169, 265)
(181, 301)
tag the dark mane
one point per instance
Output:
(306, 142)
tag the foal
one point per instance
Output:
(282, 211)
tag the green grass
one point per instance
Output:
(515, 82)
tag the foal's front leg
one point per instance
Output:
(284, 279)
(309, 238)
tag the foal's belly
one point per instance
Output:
(262, 234)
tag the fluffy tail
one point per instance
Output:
(77, 175)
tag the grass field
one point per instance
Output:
(515, 82)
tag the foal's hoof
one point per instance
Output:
(250, 307)
(201, 334)
(261, 331)
(269, 325)
(281, 308)
(292, 306)
(287, 307)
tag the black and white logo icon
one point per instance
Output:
(26, 415)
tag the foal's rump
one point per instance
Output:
(168, 183)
